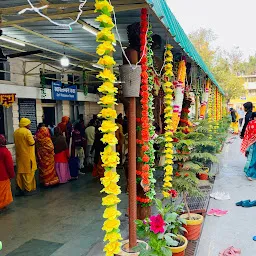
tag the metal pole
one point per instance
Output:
(132, 172)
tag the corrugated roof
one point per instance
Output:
(168, 19)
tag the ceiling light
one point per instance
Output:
(90, 29)
(11, 40)
(97, 66)
(64, 61)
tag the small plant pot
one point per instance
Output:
(203, 176)
(180, 250)
(126, 251)
(193, 226)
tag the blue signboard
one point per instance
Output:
(64, 92)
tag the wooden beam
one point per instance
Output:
(63, 6)
(70, 15)
(40, 55)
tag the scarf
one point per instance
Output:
(249, 136)
(2, 141)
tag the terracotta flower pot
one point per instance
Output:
(203, 176)
(193, 226)
(180, 251)
(143, 212)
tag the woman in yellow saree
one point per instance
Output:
(45, 158)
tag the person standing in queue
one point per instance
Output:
(25, 159)
(248, 106)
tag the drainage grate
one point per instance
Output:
(191, 249)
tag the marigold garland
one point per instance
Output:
(168, 86)
(109, 157)
(179, 94)
(205, 98)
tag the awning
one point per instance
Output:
(163, 12)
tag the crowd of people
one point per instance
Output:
(60, 153)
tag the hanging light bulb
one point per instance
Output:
(64, 61)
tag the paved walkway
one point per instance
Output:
(60, 221)
(238, 227)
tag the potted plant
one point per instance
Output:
(163, 231)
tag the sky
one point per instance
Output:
(233, 21)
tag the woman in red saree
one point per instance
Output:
(45, 158)
(248, 147)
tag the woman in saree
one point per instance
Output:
(61, 156)
(6, 174)
(248, 148)
(45, 158)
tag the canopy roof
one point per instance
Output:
(80, 45)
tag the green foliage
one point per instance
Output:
(159, 243)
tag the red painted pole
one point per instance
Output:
(132, 172)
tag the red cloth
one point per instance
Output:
(6, 164)
(249, 136)
(62, 157)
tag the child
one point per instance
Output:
(6, 173)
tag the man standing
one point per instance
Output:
(25, 158)
(241, 114)
(90, 137)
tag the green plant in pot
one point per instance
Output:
(162, 231)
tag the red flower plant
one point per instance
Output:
(157, 224)
(186, 175)
(173, 193)
(145, 158)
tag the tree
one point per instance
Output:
(225, 66)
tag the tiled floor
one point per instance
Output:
(60, 221)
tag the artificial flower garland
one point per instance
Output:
(144, 101)
(168, 98)
(179, 94)
(109, 157)
(205, 98)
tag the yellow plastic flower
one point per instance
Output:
(113, 188)
(110, 200)
(168, 109)
(100, 5)
(167, 178)
(104, 48)
(169, 47)
(110, 225)
(109, 138)
(107, 61)
(169, 73)
(111, 213)
(108, 100)
(105, 35)
(113, 237)
(108, 87)
(108, 126)
(108, 113)
(168, 168)
(112, 248)
(169, 59)
(107, 74)
(103, 18)
(110, 158)
(110, 177)
(166, 194)
(168, 84)
(168, 161)
(167, 185)
(168, 53)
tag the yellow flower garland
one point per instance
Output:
(109, 157)
(168, 86)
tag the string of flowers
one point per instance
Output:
(168, 98)
(109, 157)
(150, 150)
(210, 111)
(205, 98)
(144, 102)
(179, 94)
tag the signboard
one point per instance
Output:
(243, 98)
(27, 109)
(64, 92)
(7, 99)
